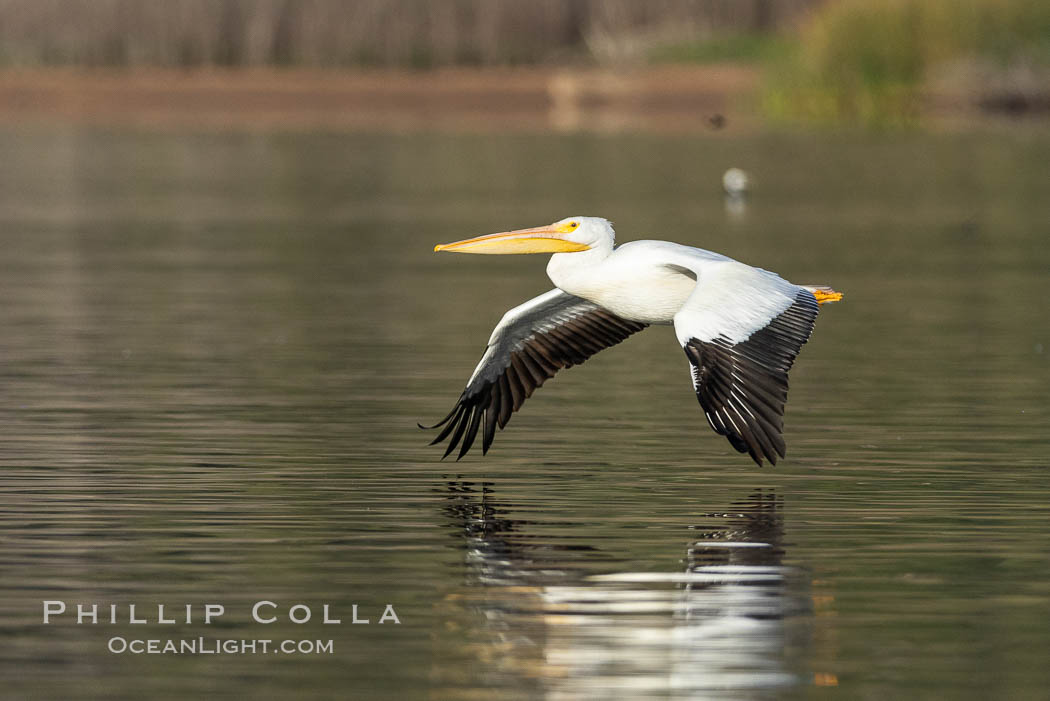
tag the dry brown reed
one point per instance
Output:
(418, 33)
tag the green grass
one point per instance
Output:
(868, 60)
(738, 48)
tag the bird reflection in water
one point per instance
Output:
(535, 620)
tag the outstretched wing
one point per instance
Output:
(530, 344)
(741, 329)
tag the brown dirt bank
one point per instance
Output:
(678, 98)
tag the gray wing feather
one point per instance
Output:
(531, 343)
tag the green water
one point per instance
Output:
(216, 347)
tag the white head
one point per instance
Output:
(569, 235)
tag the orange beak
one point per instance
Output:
(541, 239)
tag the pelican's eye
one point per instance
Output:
(574, 225)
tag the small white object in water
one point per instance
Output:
(736, 182)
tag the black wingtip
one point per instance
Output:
(770, 455)
(443, 421)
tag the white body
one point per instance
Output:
(704, 294)
(636, 280)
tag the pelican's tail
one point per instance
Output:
(823, 293)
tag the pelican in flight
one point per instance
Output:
(740, 327)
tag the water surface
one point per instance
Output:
(216, 347)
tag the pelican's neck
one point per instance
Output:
(573, 272)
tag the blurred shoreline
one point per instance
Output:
(673, 98)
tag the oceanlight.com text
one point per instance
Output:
(218, 646)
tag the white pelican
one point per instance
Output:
(740, 327)
(736, 182)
